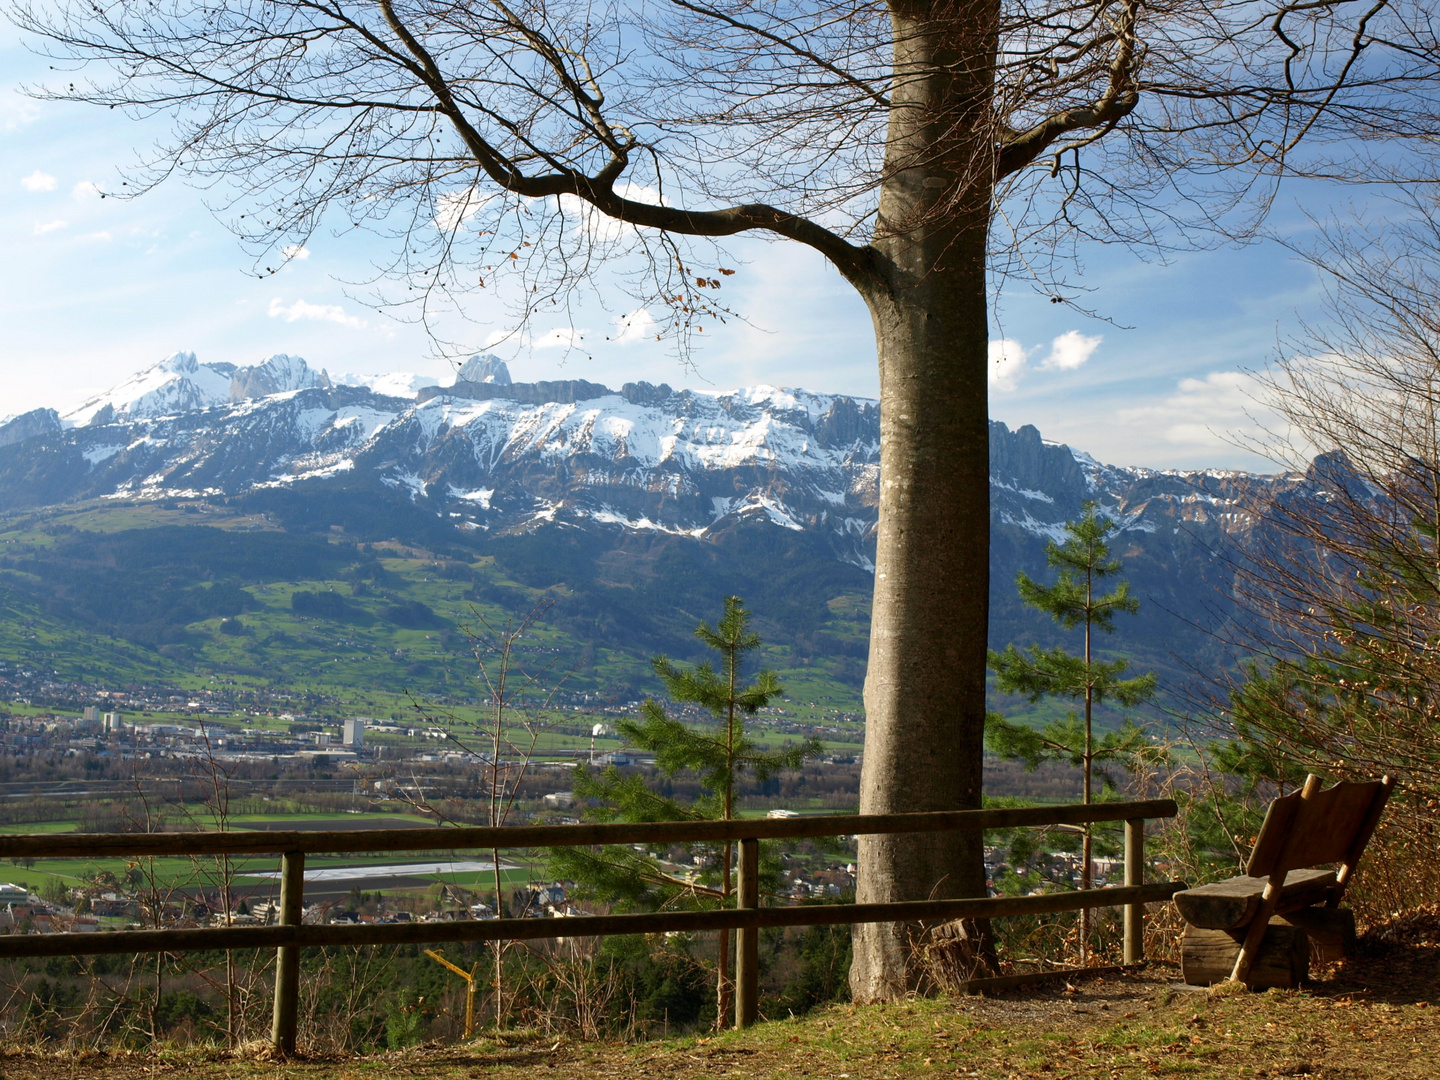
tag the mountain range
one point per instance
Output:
(638, 507)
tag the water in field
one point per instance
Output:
(393, 870)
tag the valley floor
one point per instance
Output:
(1372, 1019)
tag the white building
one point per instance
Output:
(13, 894)
(355, 732)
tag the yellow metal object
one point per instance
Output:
(469, 977)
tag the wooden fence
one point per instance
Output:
(289, 936)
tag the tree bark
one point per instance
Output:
(925, 689)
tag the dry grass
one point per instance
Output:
(1372, 1018)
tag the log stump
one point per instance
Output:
(1208, 956)
(1331, 932)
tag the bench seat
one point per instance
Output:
(1226, 905)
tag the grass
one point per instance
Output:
(64, 826)
(370, 820)
(371, 666)
(1115, 1028)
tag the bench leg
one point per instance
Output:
(1255, 933)
(1271, 896)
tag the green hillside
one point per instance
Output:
(195, 596)
(249, 600)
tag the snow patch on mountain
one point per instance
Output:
(1048, 530)
(413, 482)
(400, 384)
(356, 425)
(177, 384)
(96, 454)
(480, 496)
(607, 516)
(319, 472)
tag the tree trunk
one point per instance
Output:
(925, 689)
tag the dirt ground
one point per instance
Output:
(1375, 1017)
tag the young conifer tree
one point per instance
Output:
(718, 752)
(1074, 600)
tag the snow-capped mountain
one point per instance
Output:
(181, 384)
(489, 453)
(485, 463)
(36, 422)
(492, 456)
(392, 384)
(496, 455)
(278, 375)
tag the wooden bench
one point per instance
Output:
(1258, 928)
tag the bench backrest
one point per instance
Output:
(1310, 827)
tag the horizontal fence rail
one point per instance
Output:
(83, 845)
(747, 917)
(576, 926)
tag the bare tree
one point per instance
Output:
(913, 144)
(1346, 579)
(516, 693)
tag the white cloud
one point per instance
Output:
(562, 337)
(1007, 363)
(84, 190)
(498, 337)
(1070, 350)
(1010, 360)
(639, 325)
(454, 208)
(300, 309)
(16, 111)
(602, 227)
(295, 251)
(640, 193)
(38, 181)
(49, 226)
(1213, 411)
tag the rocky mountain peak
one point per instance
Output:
(14, 429)
(484, 369)
(181, 384)
(277, 375)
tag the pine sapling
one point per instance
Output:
(718, 753)
(1074, 600)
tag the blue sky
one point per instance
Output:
(94, 289)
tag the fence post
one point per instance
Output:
(747, 939)
(1134, 875)
(287, 957)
